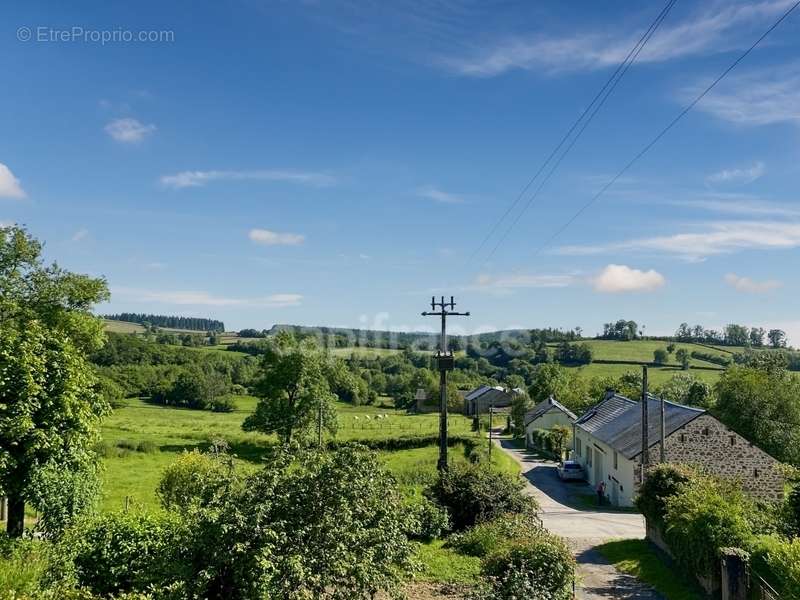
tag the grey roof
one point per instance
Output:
(544, 406)
(477, 392)
(497, 396)
(421, 394)
(617, 421)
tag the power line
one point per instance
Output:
(666, 129)
(613, 79)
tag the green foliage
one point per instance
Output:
(194, 480)
(763, 405)
(293, 391)
(61, 495)
(704, 516)
(489, 536)
(662, 483)
(123, 552)
(475, 493)
(685, 388)
(778, 561)
(520, 405)
(660, 356)
(23, 564)
(427, 520)
(541, 568)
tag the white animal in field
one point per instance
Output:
(355, 418)
(368, 418)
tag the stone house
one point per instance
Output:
(478, 401)
(607, 441)
(546, 415)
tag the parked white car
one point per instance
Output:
(570, 470)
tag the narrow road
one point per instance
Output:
(583, 529)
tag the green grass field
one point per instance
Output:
(656, 375)
(642, 350)
(168, 431)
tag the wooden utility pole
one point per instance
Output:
(491, 419)
(446, 363)
(662, 431)
(645, 460)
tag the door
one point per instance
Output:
(615, 492)
(589, 462)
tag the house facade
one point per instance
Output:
(546, 415)
(479, 400)
(607, 441)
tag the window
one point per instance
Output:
(705, 431)
(579, 446)
(616, 460)
(683, 438)
(733, 441)
(755, 472)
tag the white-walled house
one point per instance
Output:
(546, 415)
(607, 441)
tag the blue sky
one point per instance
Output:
(338, 162)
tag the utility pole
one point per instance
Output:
(491, 419)
(662, 431)
(446, 363)
(645, 460)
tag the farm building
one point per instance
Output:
(607, 441)
(546, 415)
(479, 400)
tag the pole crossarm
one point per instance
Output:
(446, 362)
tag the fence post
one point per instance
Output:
(735, 572)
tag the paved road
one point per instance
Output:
(583, 529)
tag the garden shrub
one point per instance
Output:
(223, 404)
(123, 552)
(427, 520)
(704, 516)
(778, 561)
(539, 568)
(662, 482)
(475, 493)
(61, 495)
(194, 479)
(490, 536)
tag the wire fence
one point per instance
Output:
(759, 589)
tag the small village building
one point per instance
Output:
(423, 403)
(479, 400)
(607, 441)
(546, 415)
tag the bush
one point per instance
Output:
(540, 568)
(778, 561)
(475, 493)
(61, 495)
(223, 404)
(427, 520)
(662, 482)
(716, 359)
(123, 552)
(194, 479)
(486, 538)
(22, 567)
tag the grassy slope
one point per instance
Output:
(640, 559)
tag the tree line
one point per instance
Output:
(169, 321)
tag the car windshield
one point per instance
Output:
(572, 466)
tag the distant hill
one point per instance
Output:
(170, 321)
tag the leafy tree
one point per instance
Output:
(777, 338)
(736, 335)
(49, 405)
(757, 337)
(763, 405)
(550, 379)
(520, 404)
(293, 391)
(683, 357)
(671, 348)
(685, 388)
(660, 356)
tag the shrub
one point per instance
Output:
(486, 538)
(778, 561)
(193, 479)
(704, 516)
(122, 552)
(662, 482)
(147, 447)
(61, 495)
(475, 493)
(541, 568)
(223, 404)
(716, 359)
(22, 566)
(427, 520)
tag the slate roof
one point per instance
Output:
(617, 421)
(497, 396)
(544, 406)
(479, 392)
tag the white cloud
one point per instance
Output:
(272, 238)
(128, 130)
(738, 175)
(722, 237)
(433, 193)
(201, 298)
(186, 179)
(10, 186)
(80, 235)
(615, 279)
(760, 97)
(745, 284)
(712, 30)
(740, 205)
(524, 281)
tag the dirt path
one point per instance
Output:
(582, 528)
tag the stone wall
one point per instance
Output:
(706, 443)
